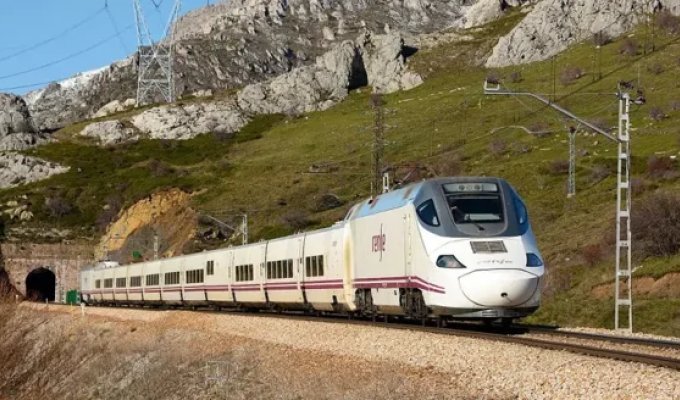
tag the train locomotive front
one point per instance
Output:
(478, 246)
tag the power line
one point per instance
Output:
(70, 56)
(53, 38)
(115, 28)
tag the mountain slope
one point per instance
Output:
(278, 168)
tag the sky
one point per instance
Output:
(42, 41)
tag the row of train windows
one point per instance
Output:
(314, 266)
(171, 278)
(243, 273)
(280, 269)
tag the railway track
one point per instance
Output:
(621, 348)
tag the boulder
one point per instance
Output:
(14, 115)
(182, 122)
(304, 89)
(22, 141)
(385, 63)
(17, 169)
(109, 132)
(114, 107)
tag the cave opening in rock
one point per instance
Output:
(40, 285)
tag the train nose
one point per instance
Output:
(498, 288)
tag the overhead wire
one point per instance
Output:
(68, 57)
(53, 38)
(115, 28)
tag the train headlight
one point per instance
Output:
(449, 262)
(533, 260)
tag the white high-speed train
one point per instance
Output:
(450, 247)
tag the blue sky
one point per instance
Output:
(82, 32)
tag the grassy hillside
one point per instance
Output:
(447, 126)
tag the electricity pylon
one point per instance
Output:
(155, 80)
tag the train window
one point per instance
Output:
(244, 273)
(210, 267)
(308, 266)
(314, 267)
(172, 278)
(195, 276)
(279, 269)
(320, 266)
(290, 268)
(152, 280)
(121, 282)
(521, 210)
(97, 284)
(108, 283)
(471, 209)
(428, 213)
(135, 281)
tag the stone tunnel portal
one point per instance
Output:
(40, 285)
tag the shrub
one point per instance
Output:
(601, 38)
(498, 147)
(657, 114)
(661, 167)
(449, 166)
(559, 167)
(629, 47)
(570, 75)
(592, 254)
(58, 206)
(515, 77)
(297, 220)
(656, 68)
(599, 173)
(668, 22)
(493, 78)
(675, 105)
(159, 168)
(656, 225)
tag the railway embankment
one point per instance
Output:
(56, 352)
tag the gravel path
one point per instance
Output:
(486, 369)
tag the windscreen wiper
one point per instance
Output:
(466, 217)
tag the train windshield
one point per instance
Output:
(472, 203)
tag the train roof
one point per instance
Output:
(406, 195)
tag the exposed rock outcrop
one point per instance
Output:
(114, 107)
(14, 115)
(554, 25)
(109, 132)
(17, 169)
(384, 60)
(181, 122)
(168, 213)
(304, 89)
(236, 43)
(22, 141)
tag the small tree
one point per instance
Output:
(629, 47)
(656, 225)
(570, 75)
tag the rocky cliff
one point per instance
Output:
(553, 25)
(233, 44)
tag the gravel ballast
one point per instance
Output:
(474, 368)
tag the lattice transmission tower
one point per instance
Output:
(155, 80)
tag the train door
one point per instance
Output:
(408, 267)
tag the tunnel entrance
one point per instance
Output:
(40, 285)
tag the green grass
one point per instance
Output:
(265, 169)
